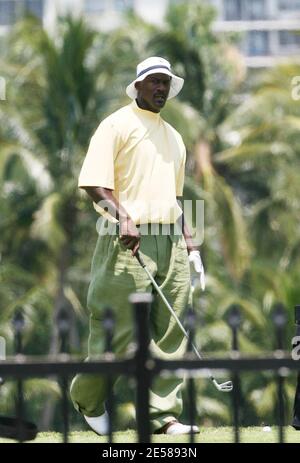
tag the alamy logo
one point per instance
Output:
(296, 88)
(2, 348)
(2, 88)
(155, 212)
(296, 348)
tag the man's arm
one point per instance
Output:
(188, 237)
(185, 231)
(129, 234)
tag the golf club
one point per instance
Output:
(223, 387)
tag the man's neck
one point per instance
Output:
(144, 105)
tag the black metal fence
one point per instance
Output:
(144, 368)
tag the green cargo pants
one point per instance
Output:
(115, 274)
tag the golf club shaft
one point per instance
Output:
(169, 307)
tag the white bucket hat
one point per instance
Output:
(154, 65)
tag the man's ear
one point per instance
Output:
(137, 85)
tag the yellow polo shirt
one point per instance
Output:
(139, 156)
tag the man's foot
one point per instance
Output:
(99, 424)
(174, 427)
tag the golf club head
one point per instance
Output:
(224, 387)
(12, 428)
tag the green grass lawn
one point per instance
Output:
(207, 435)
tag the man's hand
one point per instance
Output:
(195, 258)
(129, 235)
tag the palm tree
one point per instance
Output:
(213, 70)
(262, 156)
(59, 88)
(265, 160)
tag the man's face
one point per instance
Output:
(153, 91)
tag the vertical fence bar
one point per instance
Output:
(63, 323)
(280, 383)
(18, 325)
(295, 355)
(279, 320)
(141, 303)
(296, 410)
(65, 409)
(234, 320)
(190, 325)
(108, 324)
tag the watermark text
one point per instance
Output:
(2, 88)
(2, 348)
(155, 217)
(296, 88)
(296, 348)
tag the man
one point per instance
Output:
(135, 165)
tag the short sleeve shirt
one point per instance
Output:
(141, 157)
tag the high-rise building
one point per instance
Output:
(105, 14)
(268, 28)
(12, 10)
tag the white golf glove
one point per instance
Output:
(195, 258)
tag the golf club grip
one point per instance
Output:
(141, 262)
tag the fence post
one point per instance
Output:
(296, 414)
(18, 323)
(18, 326)
(279, 320)
(234, 320)
(108, 324)
(63, 325)
(142, 304)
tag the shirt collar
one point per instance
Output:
(144, 112)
